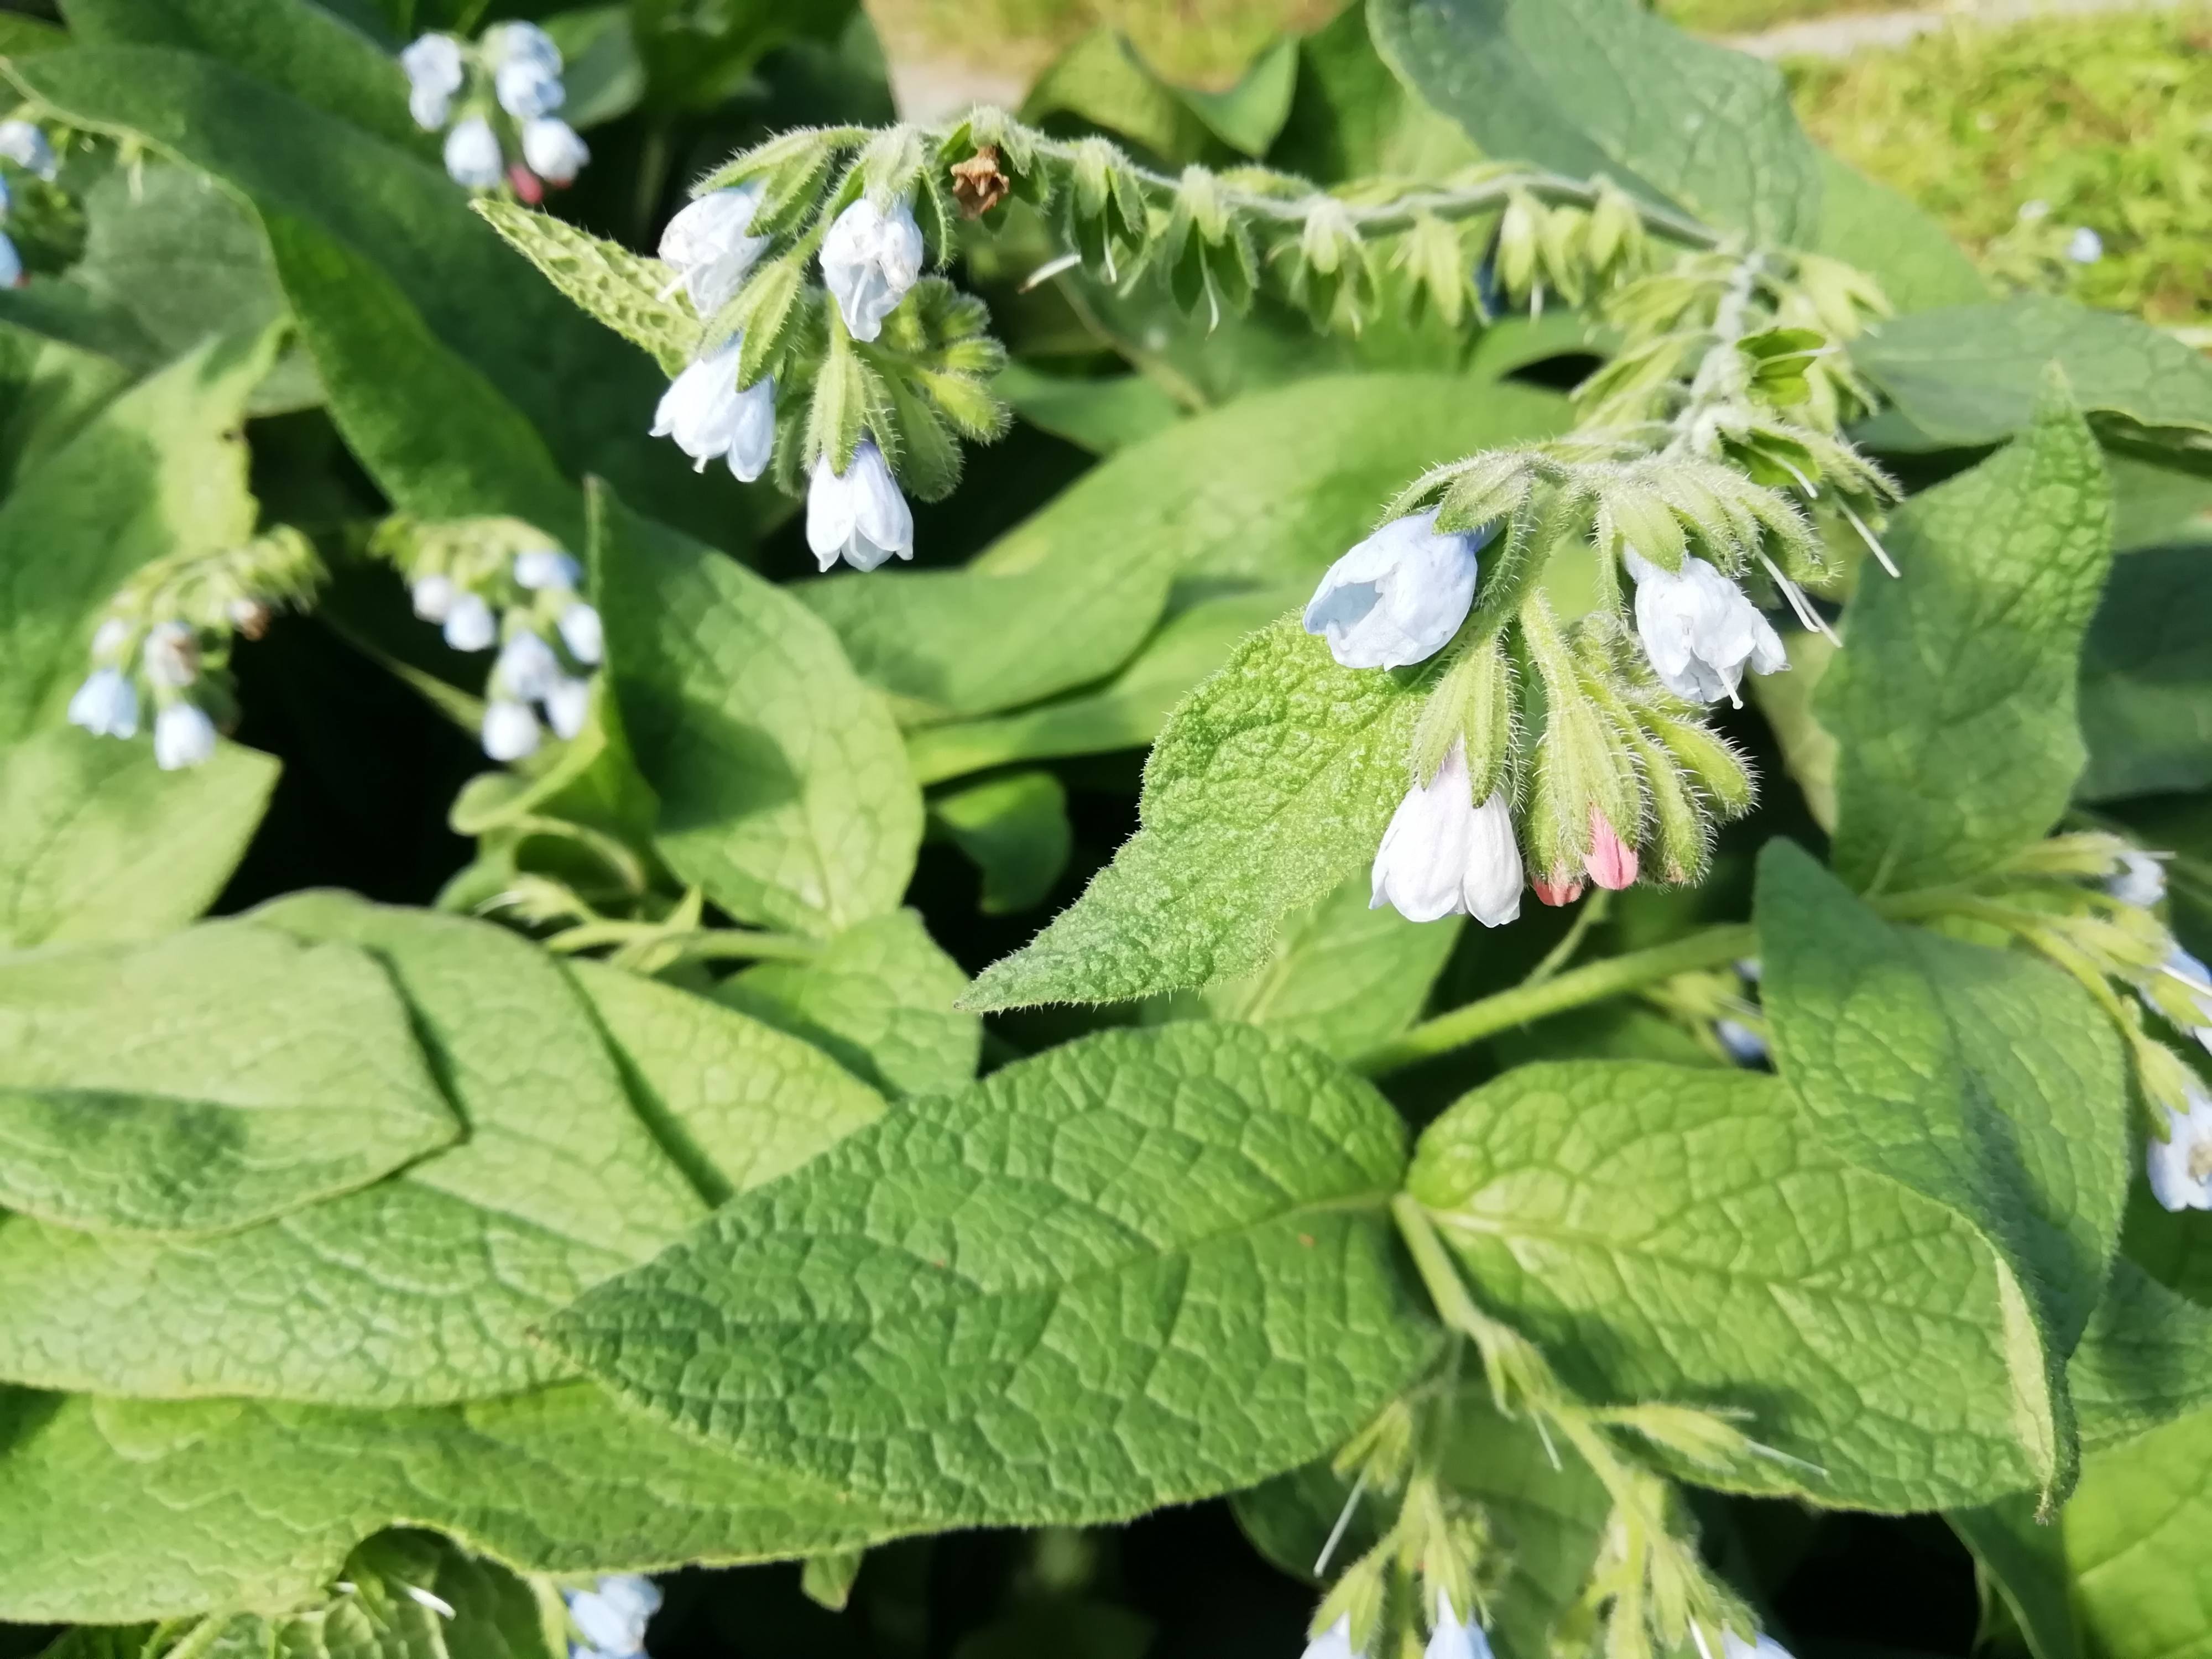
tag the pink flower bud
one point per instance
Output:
(1611, 861)
(527, 185)
(1562, 887)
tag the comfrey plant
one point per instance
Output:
(497, 101)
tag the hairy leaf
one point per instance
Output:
(204, 1082)
(1952, 704)
(624, 290)
(97, 842)
(1682, 1234)
(1137, 1270)
(2147, 677)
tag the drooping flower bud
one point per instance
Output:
(526, 185)
(472, 156)
(540, 567)
(2140, 880)
(1334, 1642)
(612, 1617)
(2181, 1167)
(1454, 1638)
(710, 417)
(1494, 873)
(582, 632)
(510, 730)
(106, 704)
(527, 90)
(1698, 630)
(1611, 861)
(527, 667)
(870, 261)
(25, 144)
(567, 705)
(1562, 886)
(1421, 867)
(708, 247)
(433, 66)
(859, 514)
(553, 150)
(1398, 597)
(184, 736)
(433, 596)
(469, 625)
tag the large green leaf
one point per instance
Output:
(1179, 1236)
(1606, 87)
(1953, 702)
(97, 842)
(1268, 787)
(1345, 975)
(1985, 1080)
(1901, 245)
(590, 395)
(739, 1101)
(204, 1082)
(2146, 1358)
(2147, 677)
(117, 1510)
(879, 996)
(419, 1289)
(1974, 374)
(160, 470)
(1350, 118)
(784, 789)
(1682, 1233)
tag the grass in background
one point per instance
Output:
(2106, 119)
(1749, 16)
(1197, 42)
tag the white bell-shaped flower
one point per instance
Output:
(1421, 867)
(857, 515)
(1454, 1638)
(612, 1617)
(567, 705)
(183, 737)
(583, 633)
(472, 156)
(710, 417)
(469, 624)
(106, 704)
(433, 63)
(540, 567)
(1698, 630)
(11, 263)
(2181, 1167)
(171, 656)
(552, 150)
(2140, 880)
(871, 260)
(25, 144)
(708, 247)
(433, 596)
(1398, 597)
(1334, 1642)
(520, 42)
(527, 667)
(527, 90)
(1494, 873)
(510, 730)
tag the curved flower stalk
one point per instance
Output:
(164, 642)
(501, 585)
(497, 99)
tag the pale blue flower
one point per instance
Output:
(472, 155)
(1334, 1642)
(434, 74)
(709, 247)
(1745, 1046)
(469, 625)
(540, 567)
(2085, 246)
(1698, 630)
(1398, 597)
(28, 147)
(527, 667)
(106, 704)
(521, 43)
(183, 737)
(582, 632)
(510, 730)
(859, 514)
(2140, 880)
(11, 263)
(433, 596)
(710, 417)
(567, 705)
(1443, 856)
(871, 260)
(552, 150)
(525, 90)
(612, 1617)
(1454, 1638)
(2181, 1167)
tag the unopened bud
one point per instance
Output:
(1611, 861)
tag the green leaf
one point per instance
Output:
(1101, 81)
(1985, 1080)
(2147, 678)
(117, 1510)
(1266, 790)
(1682, 1234)
(2146, 1358)
(417, 1290)
(1885, 233)
(1345, 975)
(1183, 1233)
(737, 1102)
(784, 789)
(589, 396)
(1605, 86)
(160, 470)
(202, 1082)
(1014, 829)
(97, 843)
(880, 998)
(1974, 374)
(1547, 1515)
(2025, 1563)
(1953, 703)
(623, 290)
(1100, 415)
(1350, 118)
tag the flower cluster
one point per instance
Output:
(26, 147)
(499, 583)
(2177, 987)
(611, 1617)
(167, 639)
(501, 97)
